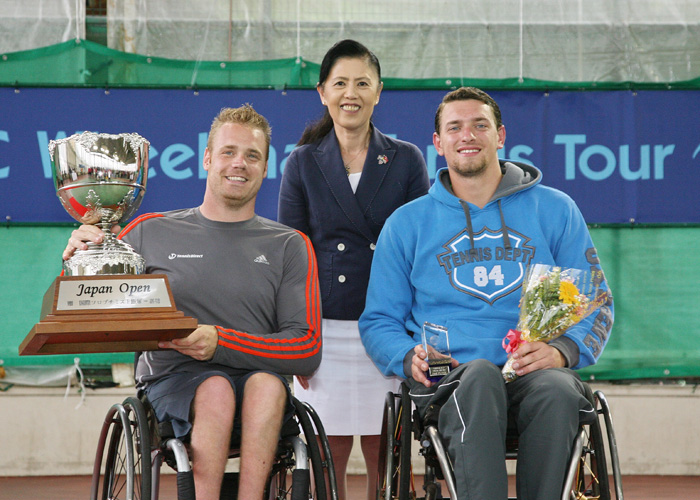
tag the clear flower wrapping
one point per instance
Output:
(553, 299)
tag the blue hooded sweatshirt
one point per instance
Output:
(442, 260)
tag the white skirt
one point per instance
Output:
(347, 391)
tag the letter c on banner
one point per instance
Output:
(4, 171)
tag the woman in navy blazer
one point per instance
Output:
(338, 187)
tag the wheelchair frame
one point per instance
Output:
(587, 471)
(132, 447)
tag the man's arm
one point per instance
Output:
(295, 349)
(571, 247)
(389, 302)
(583, 343)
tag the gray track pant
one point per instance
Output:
(476, 409)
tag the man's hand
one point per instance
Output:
(419, 366)
(200, 344)
(532, 356)
(83, 234)
(303, 381)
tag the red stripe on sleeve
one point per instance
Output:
(274, 355)
(136, 221)
(284, 348)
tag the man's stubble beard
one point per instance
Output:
(469, 172)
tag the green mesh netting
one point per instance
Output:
(82, 63)
(657, 322)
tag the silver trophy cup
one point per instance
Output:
(101, 179)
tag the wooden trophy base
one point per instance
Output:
(106, 313)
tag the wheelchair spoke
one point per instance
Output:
(118, 489)
(587, 484)
(126, 474)
(279, 488)
(395, 475)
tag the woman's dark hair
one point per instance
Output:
(342, 49)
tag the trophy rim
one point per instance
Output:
(82, 137)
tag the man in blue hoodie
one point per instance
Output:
(456, 257)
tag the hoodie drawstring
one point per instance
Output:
(470, 230)
(506, 238)
(465, 207)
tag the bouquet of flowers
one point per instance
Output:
(553, 299)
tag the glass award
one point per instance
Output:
(436, 343)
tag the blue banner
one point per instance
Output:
(623, 156)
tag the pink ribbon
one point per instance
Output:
(514, 340)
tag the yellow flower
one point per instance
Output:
(567, 292)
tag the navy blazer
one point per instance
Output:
(316, 198)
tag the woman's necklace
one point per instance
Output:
(348, 163)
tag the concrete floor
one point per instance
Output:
(76, 487)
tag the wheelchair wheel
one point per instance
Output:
(604, 410)
(124, 449)
(303, 470)
(323, 473)
(386, 443)
(394, 474)
(327, 469)
(588, 471)
(587, 477)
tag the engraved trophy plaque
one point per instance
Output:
(104, 302)
(436, 343)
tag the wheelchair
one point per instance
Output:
(133, 445)
(587, 471)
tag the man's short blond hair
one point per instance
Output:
(245, 115)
